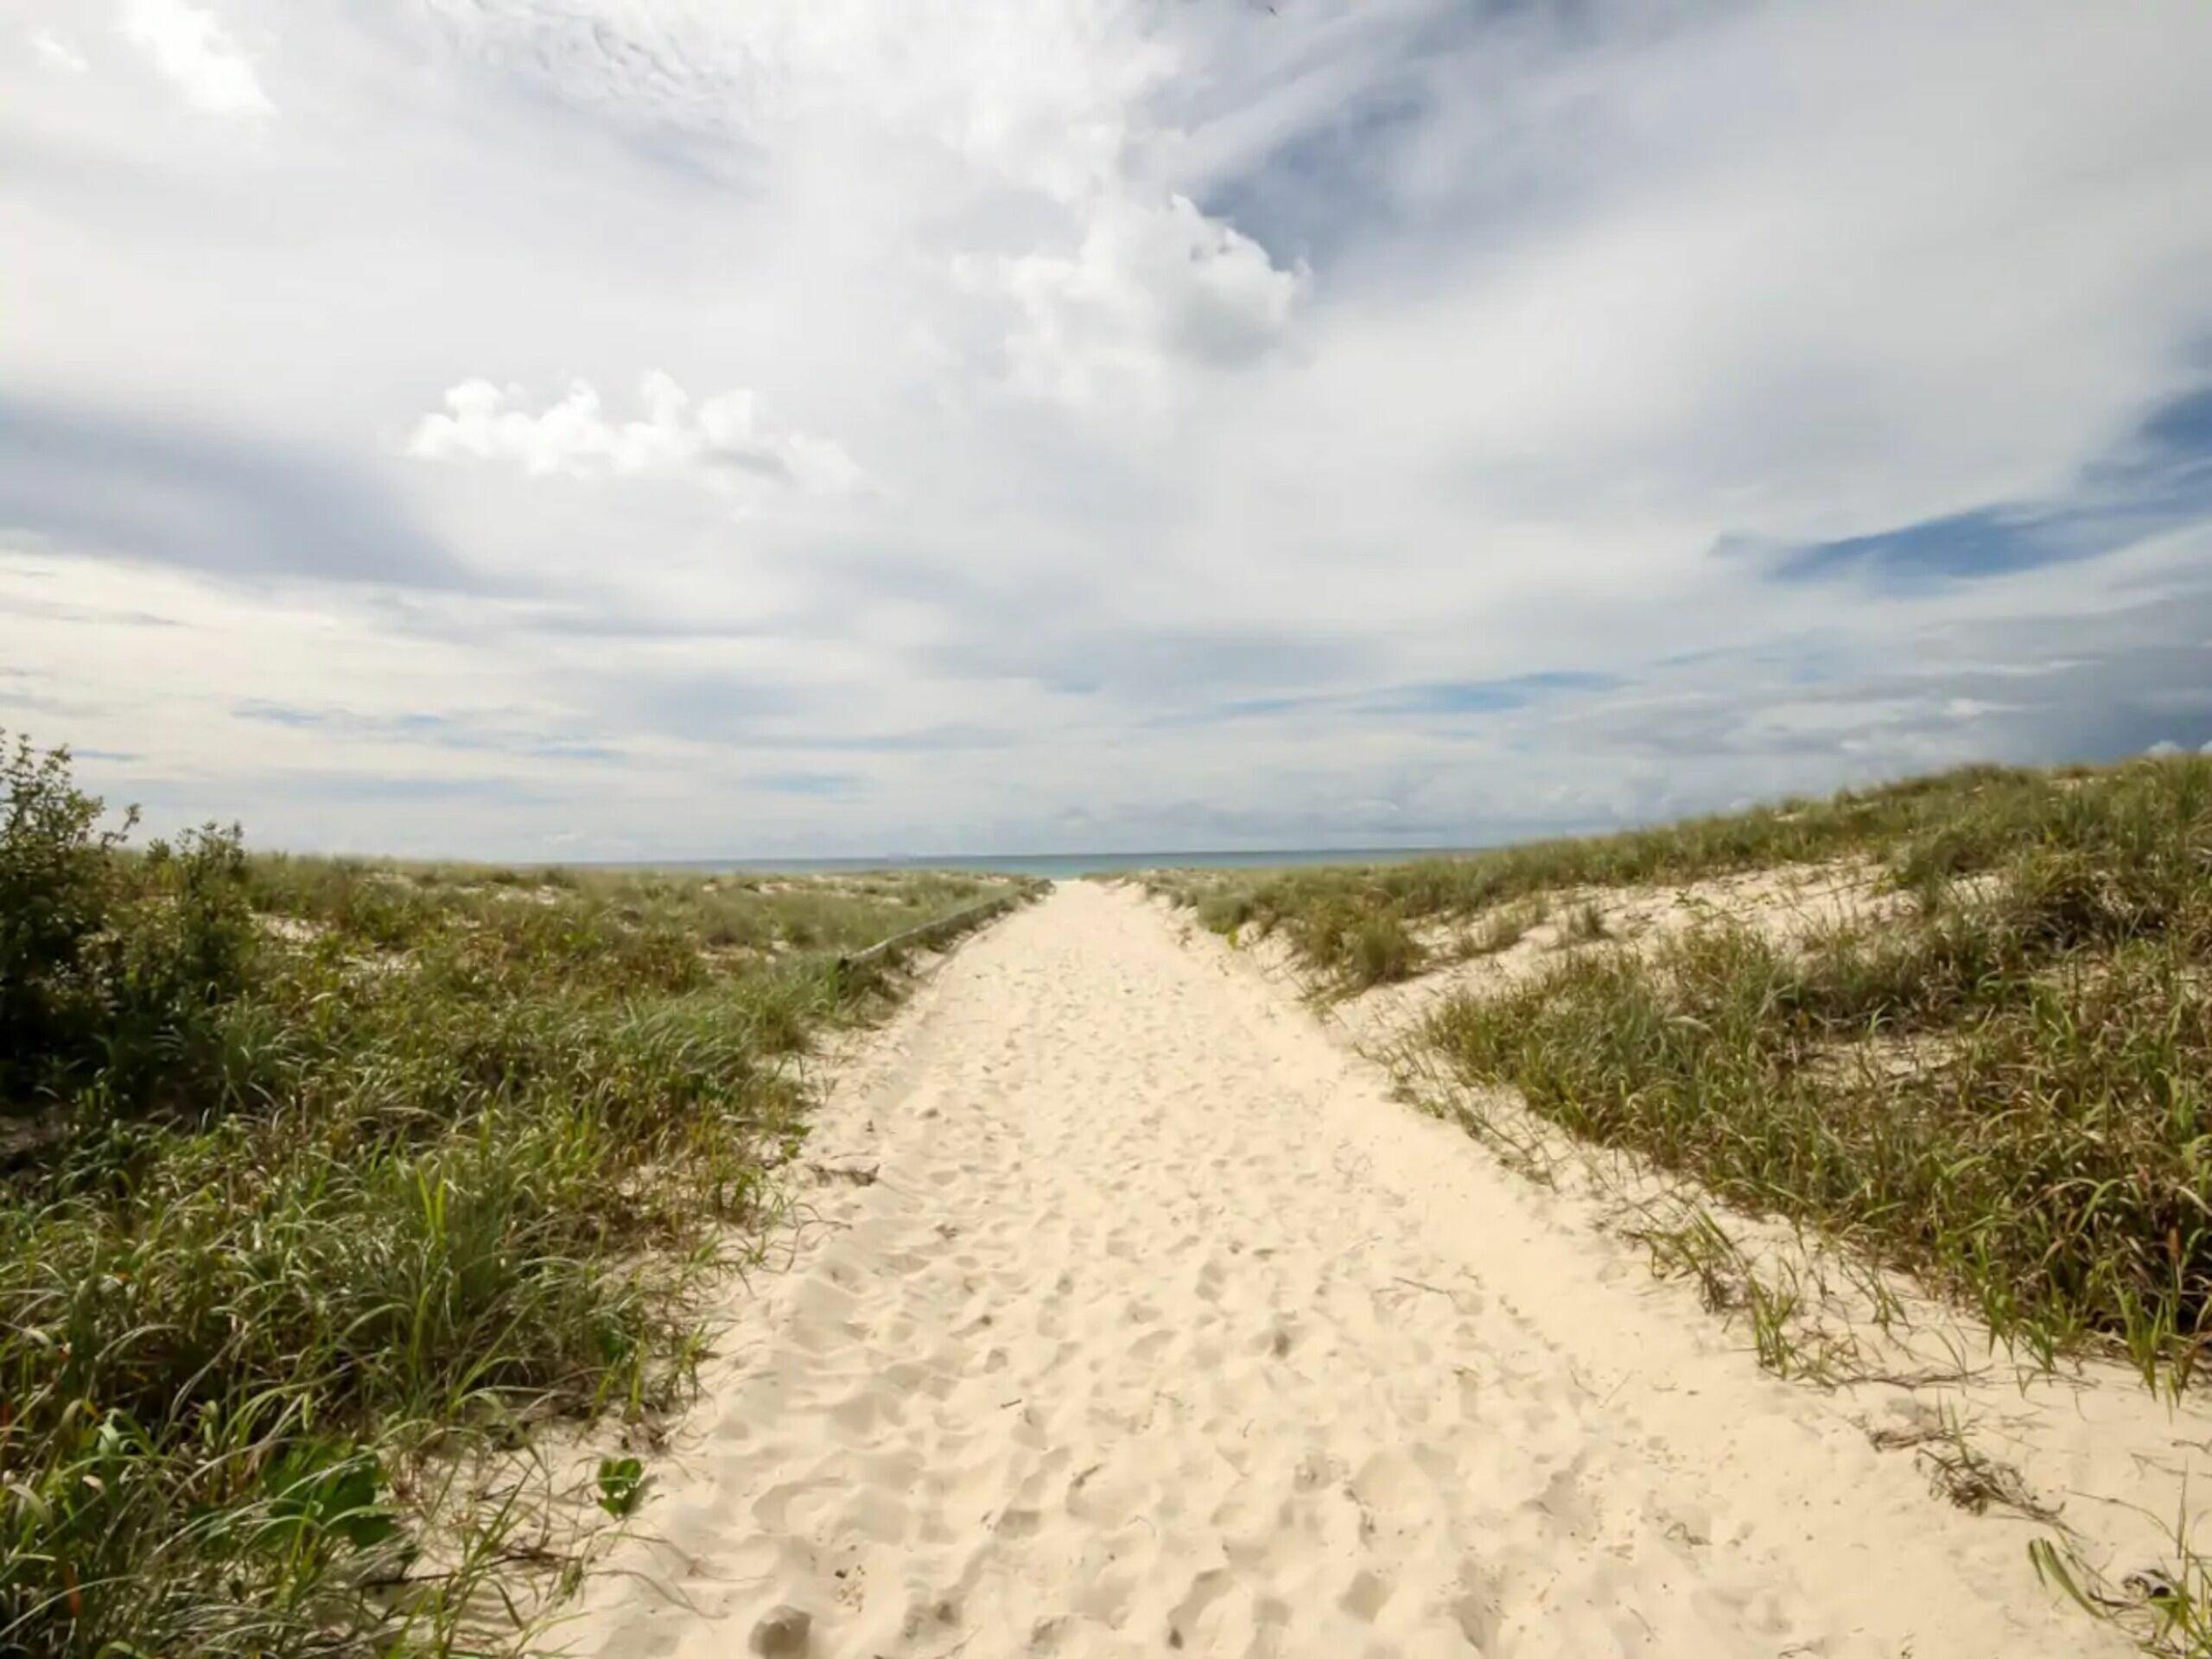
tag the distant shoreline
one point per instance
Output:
(1052, 864)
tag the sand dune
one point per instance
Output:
(1161, 1327)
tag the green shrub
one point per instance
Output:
(113, 968)
(58, 887)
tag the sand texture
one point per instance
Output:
(1132, 1316)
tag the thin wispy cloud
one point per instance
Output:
(1092, 421)
(56, 54)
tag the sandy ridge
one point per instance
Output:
(1161, 1327)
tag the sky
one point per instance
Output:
(563, 430)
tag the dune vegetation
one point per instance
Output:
(325, 1181)
(1994, 1075)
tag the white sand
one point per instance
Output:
(1163, 1327)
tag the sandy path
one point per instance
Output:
(1162, 1328)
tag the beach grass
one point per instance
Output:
(1997, 1081)
(326, 1179)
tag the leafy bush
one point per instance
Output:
(113, 968)
(58, 885)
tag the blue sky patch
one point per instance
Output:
(2158, 478)
(806, 783)
(1485, 696)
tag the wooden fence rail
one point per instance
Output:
(957, 922)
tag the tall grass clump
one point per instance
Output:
(1362, 947)
(321, 1178)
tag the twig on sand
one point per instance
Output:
(858, 1174)
(1449, 1295)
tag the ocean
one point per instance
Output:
(1054, 866)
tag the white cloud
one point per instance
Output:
(54, 53)
(721, 439)
(1249, 400)
(189, 47)
(1149, 289)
